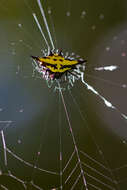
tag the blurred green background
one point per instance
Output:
(97, 31)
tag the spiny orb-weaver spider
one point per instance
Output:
(54, 66)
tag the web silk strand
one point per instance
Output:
(73, 138)
(46, 24)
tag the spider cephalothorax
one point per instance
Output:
(55, 65)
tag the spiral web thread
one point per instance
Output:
(84, 162)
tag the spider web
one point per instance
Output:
(62, 140)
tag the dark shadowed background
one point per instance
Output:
(32, 117)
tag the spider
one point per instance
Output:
(55, 65)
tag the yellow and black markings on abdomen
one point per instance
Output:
(56, 63)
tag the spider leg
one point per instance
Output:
(72, 74)
(35, 58)
(80, 61)
(60, 53)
